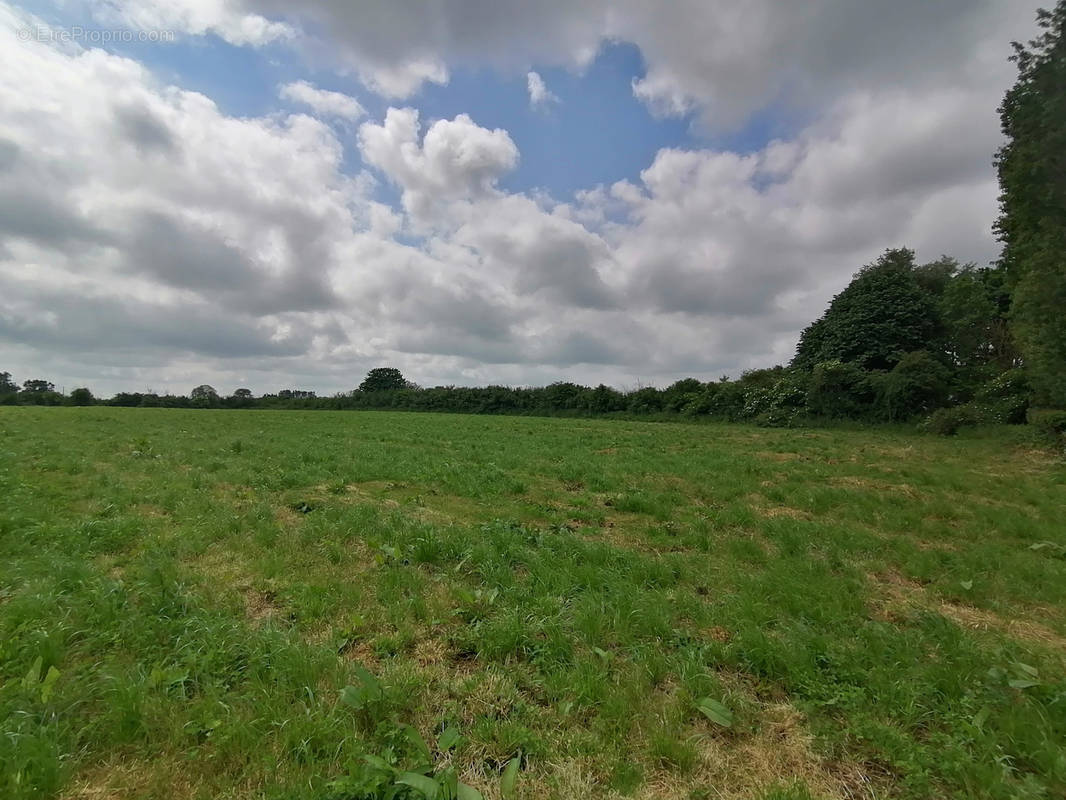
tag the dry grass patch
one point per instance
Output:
(897, 595)
(160, 779)
(779, 752)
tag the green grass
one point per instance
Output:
(185, 595)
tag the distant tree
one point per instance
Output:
(204, 396)
(882, 314)
(37, 386)
(1032, 222)
(39, 393)
(241, 398)
(7, 385)
(681, 393)
(383, 379)
(604, 399)
(127, 399)
(82, 397)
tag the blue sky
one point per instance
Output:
(597, 133)
(748, 160)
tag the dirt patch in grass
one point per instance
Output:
(1023, 630)
(121, 780)
(897, 594)
(259, 605)
(780, 752)
(776, 512)
(872, 484)
(770, 455)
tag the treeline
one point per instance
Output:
(902, 342)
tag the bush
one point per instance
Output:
(839, 390)
(1049, 425)
(778, 405)
(1004, 400)
(916, 385)
(947, 421)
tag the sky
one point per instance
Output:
(263, 194)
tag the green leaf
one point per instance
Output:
(49, 684)
(465, 792)
(378, 763)
(1025, 669)
(368, 680)
(448, 739)
(353, 696)
(510, 778)
(1022, 683)
(415, 738)
(967, 585)
(427, 786)
(715, 711)
(33, 677)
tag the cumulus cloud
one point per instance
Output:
(539, 94)
(146, 236)
(716, 57)
(196, 17)
(455, 160)
(322, 101)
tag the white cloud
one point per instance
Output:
(198, 18)
(539, 94)
(456, 160)
(148, 237)
(327, 103)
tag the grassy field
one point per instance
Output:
(199, 604)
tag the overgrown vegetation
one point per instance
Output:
(199, 604)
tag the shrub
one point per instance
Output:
(916, 385)
(839, 390)
(947, 421)
(1004, 400)
(779, 404)
(1049, 425)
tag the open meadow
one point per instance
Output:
(331, 606)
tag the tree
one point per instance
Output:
(243, 394)
(882, 314)
(974, 306)
(7, 385)
(37, 386)
(82, 397)
(1032, 223)
(383, 379)
(916, 385)
(204, 396)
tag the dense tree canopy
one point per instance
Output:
(383, 379)
(204, 396)
(882, 314)
(1032, 224)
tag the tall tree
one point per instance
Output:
(383, 379)
(882, 314)
(204, 396)
(1032, 222)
